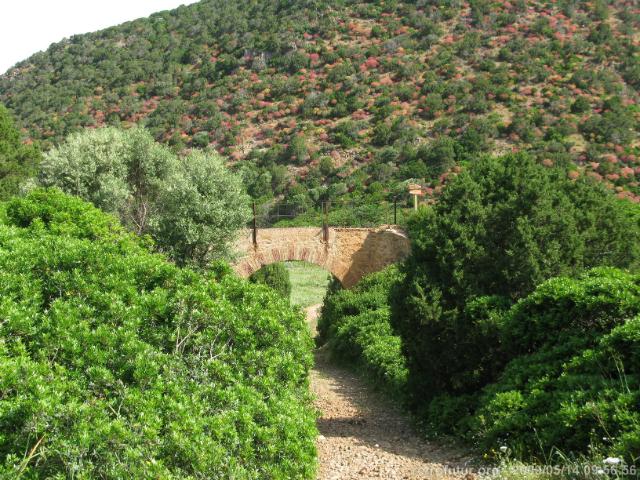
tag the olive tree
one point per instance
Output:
(201, 207)
(191, 206)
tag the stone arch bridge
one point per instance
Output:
(348, 253)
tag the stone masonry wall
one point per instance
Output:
(349, 254)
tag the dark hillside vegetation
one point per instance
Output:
(314, 100)
(115, 363)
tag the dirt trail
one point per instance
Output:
(362, 435)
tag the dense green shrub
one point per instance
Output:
(573, 380)
(356, 325)
(432, 105)
(440, 155)
(114, 363)
(200, 210)
(276, 276)
(500, 228)
(346, 133)
(580, 105)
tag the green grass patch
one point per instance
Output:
(308, 283)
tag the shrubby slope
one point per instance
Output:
(317, 100)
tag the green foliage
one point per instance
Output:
(119, 171)
(346, 133)
(297, 151)
(432, 105)
(612, 126)
(114, 363)
(580, 105)
(18, 162)
(355, 323)
(572, 382)
(499, 229)
(60, 214)
(291, 82)
(440, 155)
(192, 206)
(275, 276)
(505, 224)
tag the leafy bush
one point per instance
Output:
(612, 126)
(355, 323)
(432, 105)
(580, 105)
(192, 206)
(573, 381)
(200, 210)
(477, 136)
(397, 131)
(440, 155)
(500, 228)
(297, 152)
(346, 133)
(114, 363)
(275, 276)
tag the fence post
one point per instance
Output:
(395, 210)
(255, 226)
(325, 222)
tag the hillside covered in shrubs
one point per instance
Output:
(115, 363)
(314, 100)
(514, 323)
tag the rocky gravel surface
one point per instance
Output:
(363, 435)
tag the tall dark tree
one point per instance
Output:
(500, 228)
(18, 162)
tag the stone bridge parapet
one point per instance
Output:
(348, 253)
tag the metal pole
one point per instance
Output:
(325, 222)
(395, 210)
(255, 226)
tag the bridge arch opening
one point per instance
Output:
(309, 282)
(312, 258)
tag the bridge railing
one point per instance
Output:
(332, 214)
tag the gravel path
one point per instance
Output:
(362, 435)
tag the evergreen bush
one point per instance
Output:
(115, 363)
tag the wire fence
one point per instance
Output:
(335, 214)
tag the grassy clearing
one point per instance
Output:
(309, 283)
